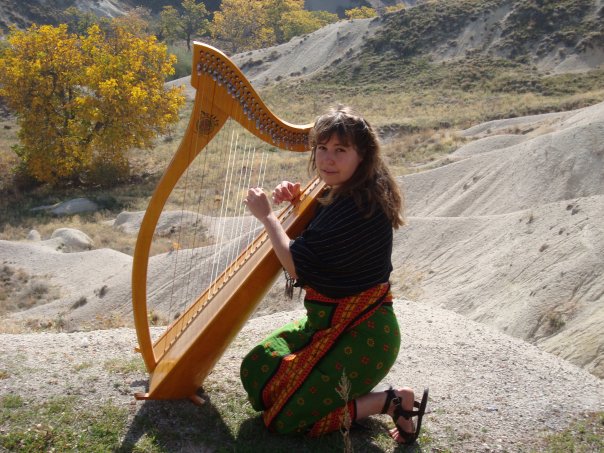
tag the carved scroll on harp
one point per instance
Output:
(183, 355)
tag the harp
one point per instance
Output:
(180, 357)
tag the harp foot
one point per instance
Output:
(141, 396)
(198, 400)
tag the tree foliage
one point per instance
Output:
(395, 8)
(191, 22)
(137, 21)
(276, 10)
(297, 23)
(79, 21)
(83, 100)
(249, 25)
(243, 24)
(363, 12)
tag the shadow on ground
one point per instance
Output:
(180, 426)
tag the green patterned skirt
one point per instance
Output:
(294, 374)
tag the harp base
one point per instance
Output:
(142, 396)
(195, 399)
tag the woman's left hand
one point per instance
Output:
(258, 203)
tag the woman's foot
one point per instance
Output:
(400, 405)
(403, 398)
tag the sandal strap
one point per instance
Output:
(411, 437)
(400, 412)
(390, 396)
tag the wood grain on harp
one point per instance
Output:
(223, 288)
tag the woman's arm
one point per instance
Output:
(259, 205)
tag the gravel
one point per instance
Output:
(488, 391)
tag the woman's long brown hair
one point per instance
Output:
(372, 184)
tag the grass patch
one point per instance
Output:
(584, 436)
(225, 423)
(122, 366)
(59, 425)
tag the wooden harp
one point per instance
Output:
(180, 358)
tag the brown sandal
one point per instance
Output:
(391, 397)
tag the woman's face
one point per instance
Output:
(336, 162)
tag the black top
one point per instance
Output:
(341, 253)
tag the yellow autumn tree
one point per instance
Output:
(243, 24)
(276, 10)
(363, 12)
(297, 23)
(261, 23)
(83, 101)
(394, 8)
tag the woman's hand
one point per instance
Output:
(286, 191)
(258, 204)
(260, 207)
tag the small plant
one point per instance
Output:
(343, 390)
(102, 291)
(79, 303)
(82, 366)
(60, 323)
(555, 322)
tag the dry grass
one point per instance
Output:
(20, 291)
(8, 160)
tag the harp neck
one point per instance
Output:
(238, 99)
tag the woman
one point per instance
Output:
(343, 261)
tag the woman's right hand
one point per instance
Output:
(286, 191)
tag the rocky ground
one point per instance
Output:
(488, 391)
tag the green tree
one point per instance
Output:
(136, 21)
(276, 10)
(83, 100)
(191, 22)
(79, 21)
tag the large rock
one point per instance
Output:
(73, 240)
(70, 207)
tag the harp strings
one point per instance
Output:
(214, 225)
(242, 163)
